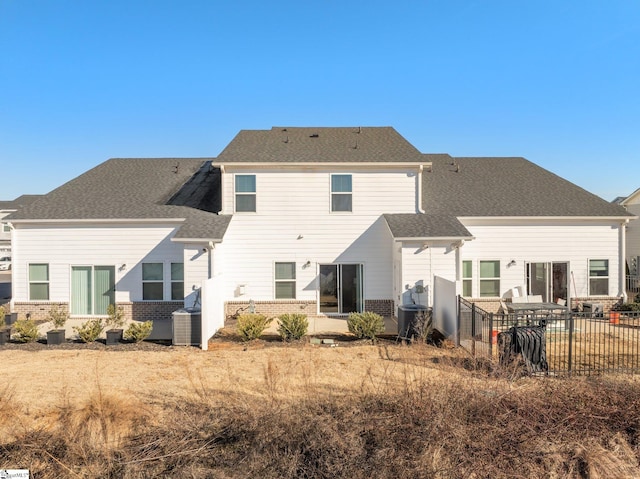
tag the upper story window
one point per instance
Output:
(598, 277)
(39, 282)
(6, 228)
(489, 278)
(467, 279)
(245, 193)
(341, 193)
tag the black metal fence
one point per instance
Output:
(576, 343)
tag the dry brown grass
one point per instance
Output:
(359, 412)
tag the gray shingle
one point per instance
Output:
(320, 145)
(506, 187)
(426, 226)
(127, 189)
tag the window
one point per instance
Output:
(467, 279)
(245, 193)
(152, 281)
(6, 228)
(285, 280)
(489, 278)
(92, 289)
(177, 281)
(341, 193)
(598, 277)
(39, 282)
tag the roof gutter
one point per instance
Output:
(320, 164)
(99, 220)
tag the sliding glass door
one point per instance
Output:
(549, 280)
(341, 287)
(92, 289)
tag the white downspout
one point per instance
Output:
(222, 205)
(622, 262)
(419, 186)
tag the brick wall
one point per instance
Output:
(38, 311)
(383, 307)
(138, 311)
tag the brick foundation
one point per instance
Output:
(138, 311)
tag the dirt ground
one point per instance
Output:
(39, 380)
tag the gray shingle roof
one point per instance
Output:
(426, 226)
(320, 145)
(506, 187)
(19, 202)
(129, 189)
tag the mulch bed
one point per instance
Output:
(96, 345)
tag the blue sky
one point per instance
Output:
(554, 81)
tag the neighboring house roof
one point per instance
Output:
(134, 188)
(501, 187)
(18, 203)
(426, 226)
(632, 199)
(320, 145)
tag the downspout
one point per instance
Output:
(622, 261)
(222, 205)
(420, 170)
(210, 249)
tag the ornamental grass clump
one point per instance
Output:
(138, 332)
(3, 313)
(26, 331)
(365, 325)
(252, 325)
(292, 326)
(89, 331)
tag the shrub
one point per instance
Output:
(26, 330)
(116, 316)
(58, 316)
(292, 326)
(138, 331)
(422, 326)
(3, 313)
(626, 307)
(365, 325)
(252, 325)
(90, 330)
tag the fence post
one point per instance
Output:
(491, 335)
(570, 353)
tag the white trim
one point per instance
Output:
(433, 238)
(101, 220)
(419, 188)
(320, 165)
(546, 218)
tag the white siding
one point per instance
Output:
(420, 265)
(125, 247)
(293, 223)
(633, 237)
(540, 241)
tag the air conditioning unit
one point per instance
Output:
(187, 327)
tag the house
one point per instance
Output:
(324, 221)
(632, 204)
(6, 208)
